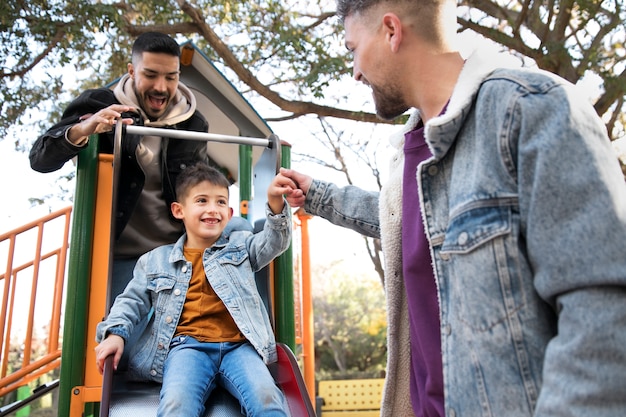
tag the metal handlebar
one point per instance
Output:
(272, 142)
(201, 136)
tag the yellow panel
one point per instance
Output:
(357, 394)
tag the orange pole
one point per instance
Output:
(55, 323)
(99, 266)
(308, 345)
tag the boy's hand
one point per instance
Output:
(112, 345)
(301, 183)
(281, 185)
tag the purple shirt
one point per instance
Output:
(419, 280)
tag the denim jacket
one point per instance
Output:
(524, 206)
(159, 287)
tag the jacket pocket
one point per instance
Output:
(472, 228)
(158, 283)
(160, 287)
(233, 255)
(482, 274)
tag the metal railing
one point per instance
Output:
(34, 270)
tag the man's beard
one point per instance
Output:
(389, 102)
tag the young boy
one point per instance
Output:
(208, 325)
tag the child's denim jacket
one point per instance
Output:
(159, 288)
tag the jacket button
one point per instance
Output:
(160, 346)
(184, 268)
(463, 238)
(168, 319)
(433, 170)
(153, 372)
(447, 330)
(177, 291)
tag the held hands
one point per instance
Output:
(300, 186)
(112, 345)
(283, 184)
(99, 122)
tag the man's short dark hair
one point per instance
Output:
(348, 7)
(155, 42)
(194, 175)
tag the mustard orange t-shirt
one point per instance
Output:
(204, 316)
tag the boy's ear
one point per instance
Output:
(230, 213)
(177, 210)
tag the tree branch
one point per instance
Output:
(56, 39)
(296, 107)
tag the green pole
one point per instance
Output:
(245, 179)
(75, 320)
(23, 392)
(283, 281)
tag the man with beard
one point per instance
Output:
(150, 94)
(502, 226)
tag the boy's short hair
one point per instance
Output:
(194, 175)
(155, 42)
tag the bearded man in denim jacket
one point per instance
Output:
(502, 225)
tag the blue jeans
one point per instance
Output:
(193, 369)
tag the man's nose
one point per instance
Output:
(160, 84)
(356, 73)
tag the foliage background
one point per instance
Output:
(288, 52)
(287, 58)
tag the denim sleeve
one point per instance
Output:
(273, 240)
(573, 205)
(350, 207)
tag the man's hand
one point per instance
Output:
(112, 345)
(99, 122)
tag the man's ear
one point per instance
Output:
(131, 70)
(177, 210)
(392, 27)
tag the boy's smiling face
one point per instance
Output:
(205, 212)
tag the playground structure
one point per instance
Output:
(246, 146)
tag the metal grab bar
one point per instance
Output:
(272, 142)
(107, 387)
(201, 136)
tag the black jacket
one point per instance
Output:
(51, 151)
